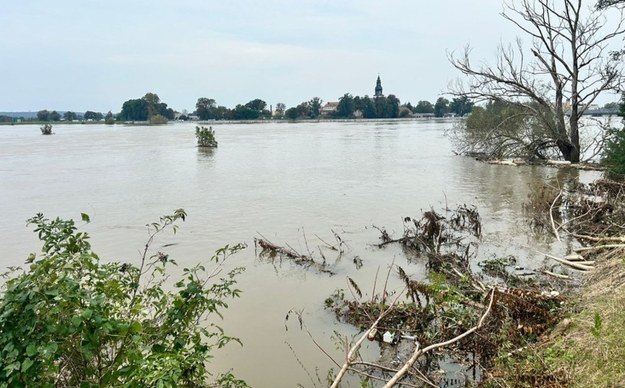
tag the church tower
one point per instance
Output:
(378, 88)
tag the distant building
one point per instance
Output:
(329, 108)
(378, 88)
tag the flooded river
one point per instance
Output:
(291, 183)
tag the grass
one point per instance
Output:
(596, 342)
(585, 350)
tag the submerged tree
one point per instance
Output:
(46, 129)
(205, 137)
(569, 67)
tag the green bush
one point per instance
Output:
(614, 155)
(70, 319)
(205, 137)
(158, 120)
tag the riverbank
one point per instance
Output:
(586, 348)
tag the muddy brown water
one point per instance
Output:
(288, 182)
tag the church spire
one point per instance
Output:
(378, 88)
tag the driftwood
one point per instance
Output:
(580, 266)
(599, 247)
(557, 275)
(553, 224)
(269, 249)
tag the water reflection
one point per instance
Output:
(206, 154)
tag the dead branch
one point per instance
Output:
(553, 224)
(270, 249)
(572, 264)
(557, 275)
(599, 247)
(328, 245)
(419, 352)
(266, 245)
(349, 358)
(574, 257)
(599, 238)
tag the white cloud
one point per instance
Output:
(61, 52)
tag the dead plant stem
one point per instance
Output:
(419, 352)
(349, 358)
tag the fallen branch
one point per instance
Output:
(387, 369)
(574, 257)
(419, 352)
(557, 275)
(599, 247)
(266, 245)
(270, 249)
(553, 224)
(572, 264)
(598, 239)
(354, 349)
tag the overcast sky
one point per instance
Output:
(93, 55)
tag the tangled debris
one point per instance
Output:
(444, 310)
(272, 251)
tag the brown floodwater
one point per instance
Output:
(291, 183)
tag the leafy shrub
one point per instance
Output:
(109, 119)
(158, 120)
(614, 156)
(72, 320)
(46, 129)
(205, 137)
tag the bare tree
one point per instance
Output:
(569, 67)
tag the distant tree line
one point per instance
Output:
(47, 116)
(151, 108)
(207, 109)
(379, 108)
(146, 108)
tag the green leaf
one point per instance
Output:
(85, 217)
(135, 327)
(31, 350)
(76, 321)
(13, 366)
(86, 314)
(26, 364)
(52, 348)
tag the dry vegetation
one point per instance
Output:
(585, 349)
